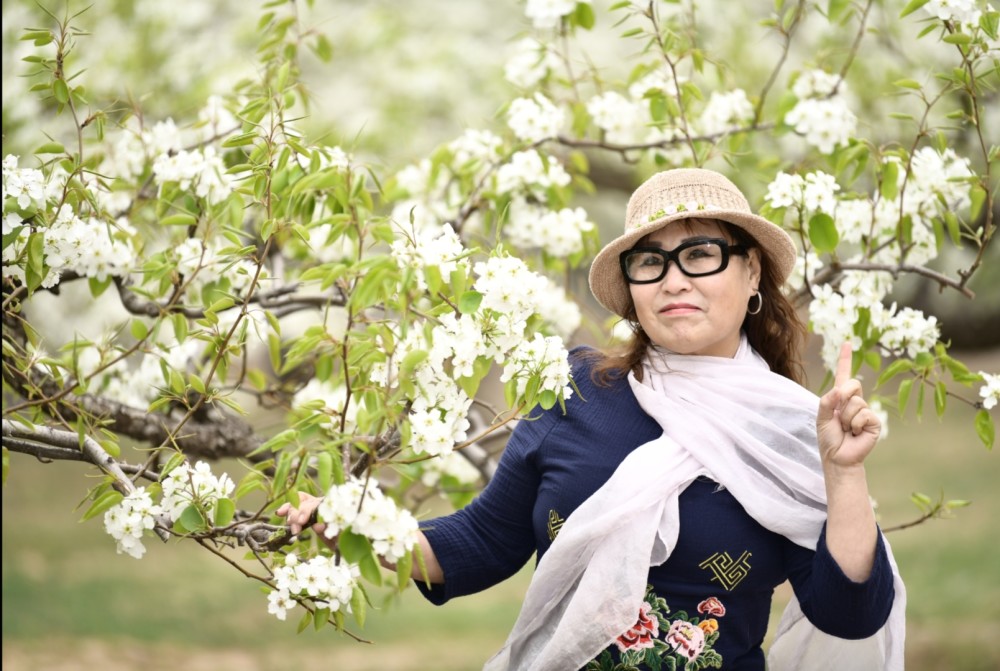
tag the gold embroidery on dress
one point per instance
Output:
(555, 524)
(729, 573)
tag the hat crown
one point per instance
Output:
(683, 190)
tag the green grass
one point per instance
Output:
(70, 602)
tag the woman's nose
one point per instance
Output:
(674, 280)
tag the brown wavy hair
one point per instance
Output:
(776, 332)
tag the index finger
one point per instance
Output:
(843, 373)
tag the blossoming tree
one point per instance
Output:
(400, 319)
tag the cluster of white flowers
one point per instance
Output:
(434, 192)
(327, 581)
(508, 286)
(963, 12)
(440, 248)
(622, 120)
(195, 256)
(990, 391)
(560, 234)
(367, 511)
(542, 356)
(834, 313)
(822, 114)
(938, 182)
(199, 169)
(217, 121)
(560, 312)
(832, 316)
(530, 63)
(452, 465)
(136, 386)
(815, 192)
(333, 398)
(25, 185)
(478, 148)
(184, 486)
(907, 330)
(535, 119)
(91, 247)
(528, 172)
(128, 521)
(725, 112)
(548, 13)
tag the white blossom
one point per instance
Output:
(530, 63)
(368, 512)
(621, 119)
(548, 13)
(185, 486)
(990, 391)
(128, 521)
(726, 112)
(535, 119)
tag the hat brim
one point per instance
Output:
(611, 290)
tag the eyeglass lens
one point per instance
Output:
(693, 258)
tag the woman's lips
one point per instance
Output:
(679, 309)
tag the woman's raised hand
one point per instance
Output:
(847, 429)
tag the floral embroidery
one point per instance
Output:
(712, 606)
(687, 644)
(687, 639)
(642, 633)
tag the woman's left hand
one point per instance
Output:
(846, 427)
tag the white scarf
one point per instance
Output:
(750, 430)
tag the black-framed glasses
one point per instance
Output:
(695, 258)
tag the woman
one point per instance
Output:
(683, 483)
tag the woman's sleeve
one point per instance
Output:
(834, 603)
(492, 538)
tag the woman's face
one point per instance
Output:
(696, 315)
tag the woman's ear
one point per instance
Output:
(753, 265)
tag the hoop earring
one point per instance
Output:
(760, 304)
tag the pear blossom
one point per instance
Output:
(535, 119)
(128, 521)
(990, 391)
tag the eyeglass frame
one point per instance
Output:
(669, 255)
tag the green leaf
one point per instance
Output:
(104, 502)
(320, 616)
(957, 38)
(907, 84)
(225, 510)
(584, 15)
(60, 91)
(51, 148)
(940, 398)
(324, 471)
(139, 329)
(823, 233)
(985, 428)
(305, 621)
(835, 8)
(469, 302)
(892, 370)
(192, 519)
(890, 181)
(178, 220)
(913, 6)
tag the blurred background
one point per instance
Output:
(404, 78)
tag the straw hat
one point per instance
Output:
(682, 194)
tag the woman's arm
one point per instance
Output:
(847, 430)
